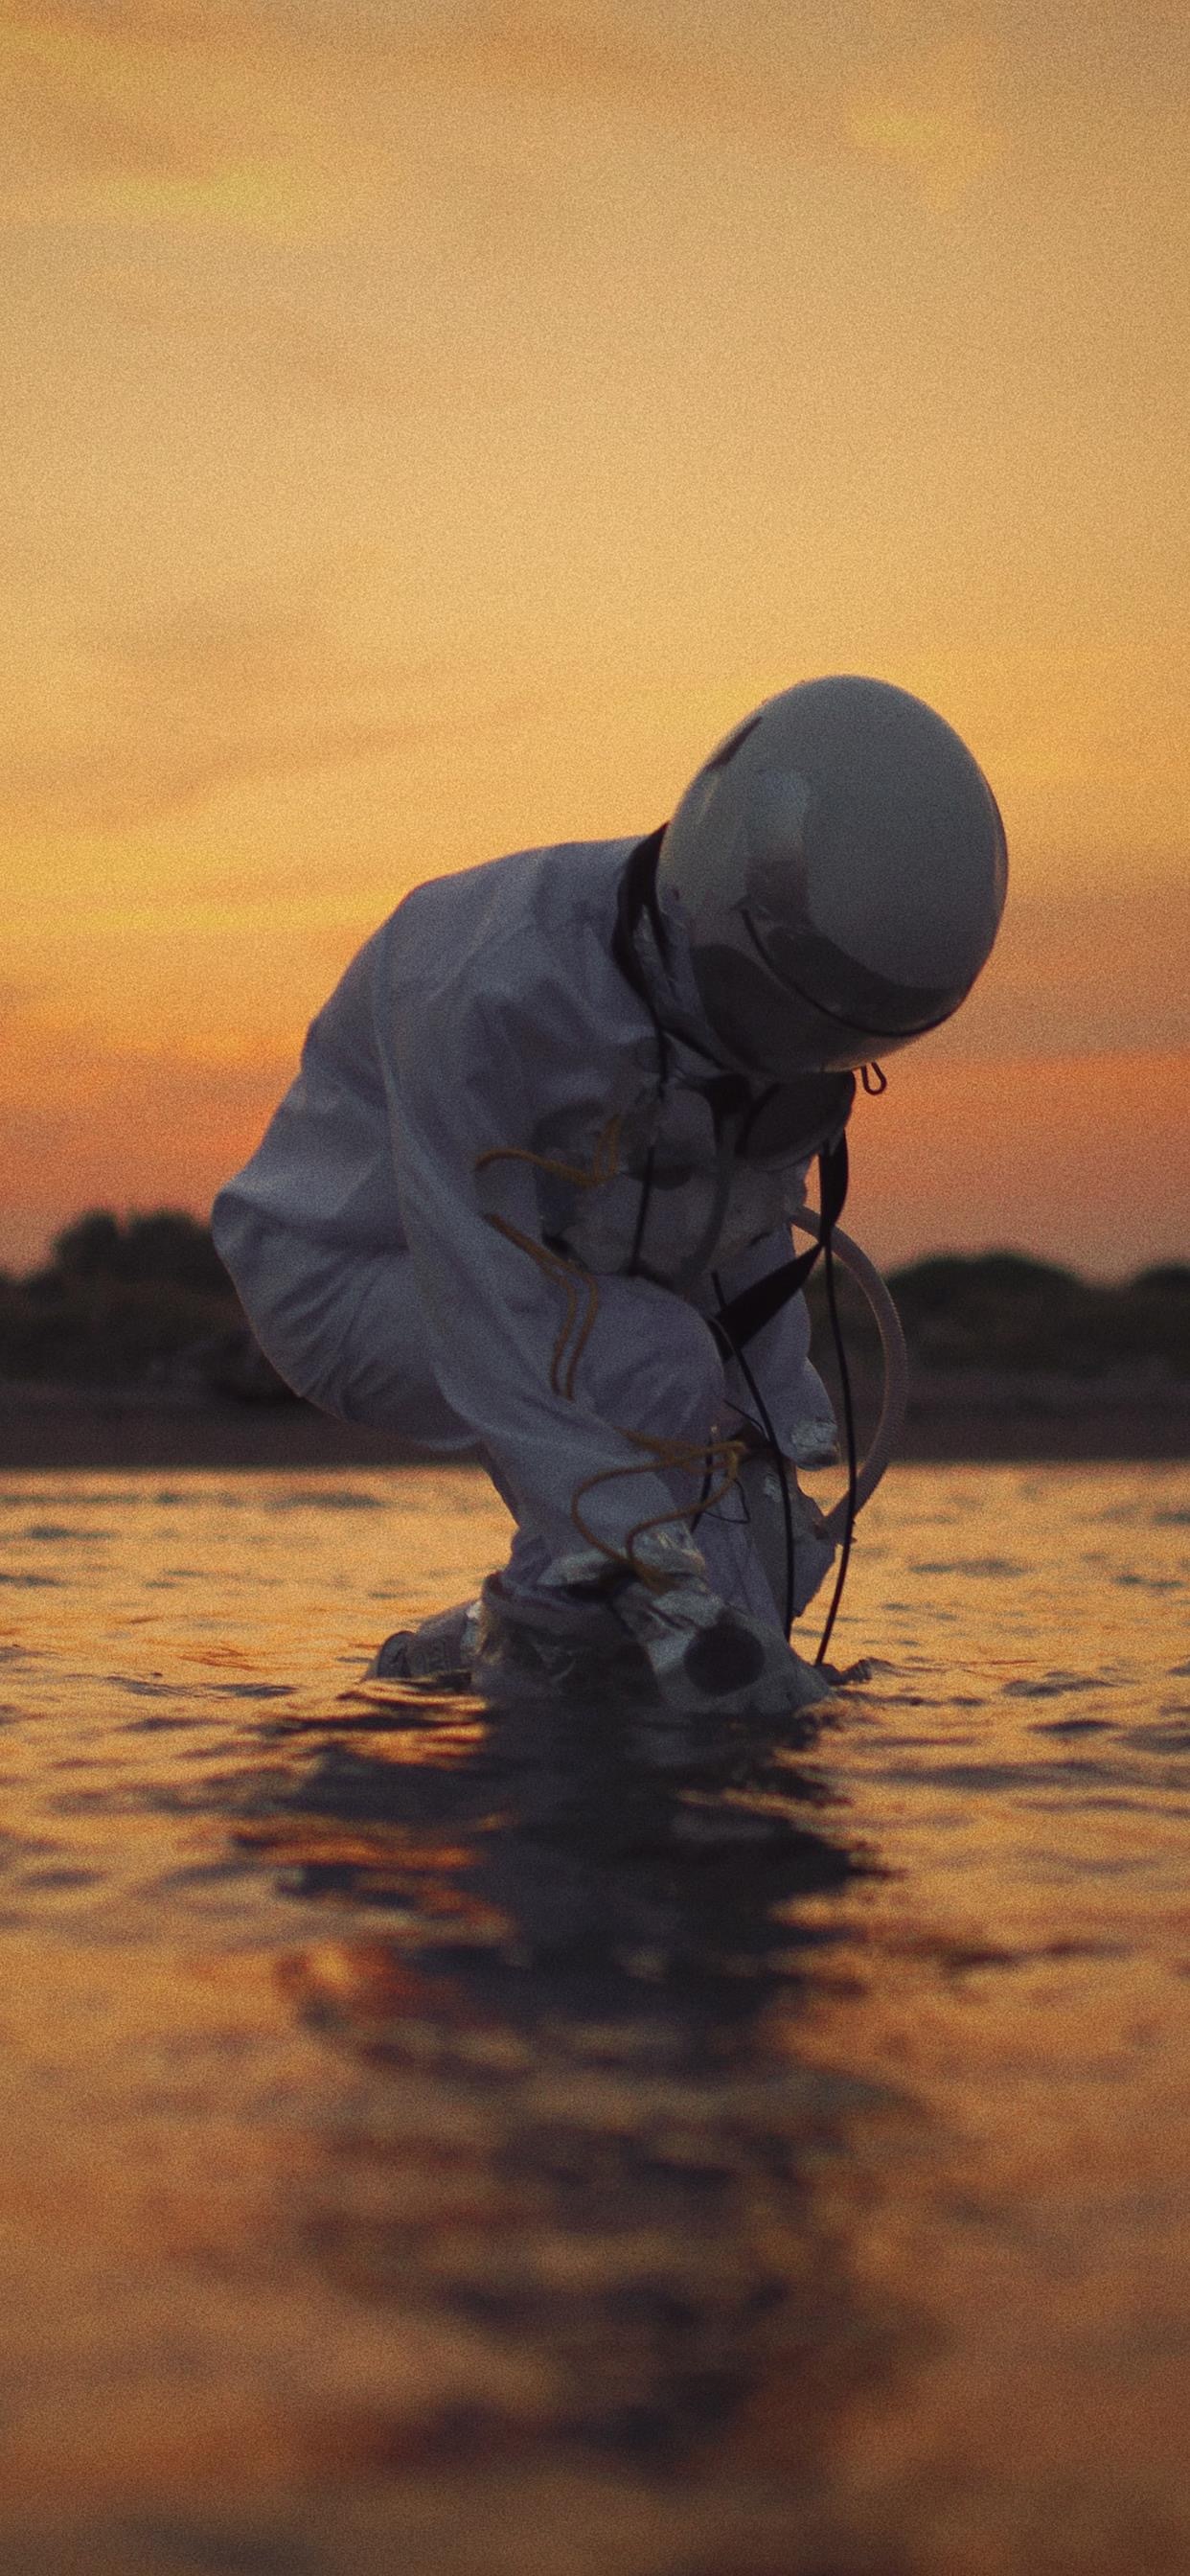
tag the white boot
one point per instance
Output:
(437, 1655)
(587, 1627)
(703, 1653)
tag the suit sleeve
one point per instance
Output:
(456, 1080)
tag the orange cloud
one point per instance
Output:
(254, 684)
(943, 147)
(145, 114)
(265, 344)
(1079, 969)
(125, 1127)
(1080, 1158)
(249, 118)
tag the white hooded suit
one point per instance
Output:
(485, 1123)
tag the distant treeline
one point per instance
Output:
(1004, 1311)
(147, 1298)
(125, 1299)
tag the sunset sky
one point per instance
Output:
(426, 430)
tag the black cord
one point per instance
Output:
(638, 894)
(716, 1512)
(708, 1478)
(832, 1303)
(646, 1187)
(775, 1446)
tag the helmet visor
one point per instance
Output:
(832, 1015)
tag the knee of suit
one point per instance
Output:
(344, 1326)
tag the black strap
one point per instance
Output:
(743, 1317)
(637, 896)
(746, 1315)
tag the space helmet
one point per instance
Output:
(839, 868)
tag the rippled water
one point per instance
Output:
(457, 2145)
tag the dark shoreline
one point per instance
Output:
(56, 1429)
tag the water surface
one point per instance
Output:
(558, 2142)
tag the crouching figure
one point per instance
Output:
(531, 1192)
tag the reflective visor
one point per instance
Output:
(771, 1027)
(842, 988)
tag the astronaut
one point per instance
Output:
(530, 1194)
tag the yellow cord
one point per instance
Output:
(569, 1276)
(603, 1165)
(665, 1456)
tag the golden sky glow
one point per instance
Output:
(427, 431)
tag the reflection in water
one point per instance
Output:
(582, 1921)
(555, 2141)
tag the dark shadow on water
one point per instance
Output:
(575, 2000)
(596, 1836)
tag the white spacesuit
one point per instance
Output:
(553, 1124)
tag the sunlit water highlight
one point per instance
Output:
(461, 2145)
